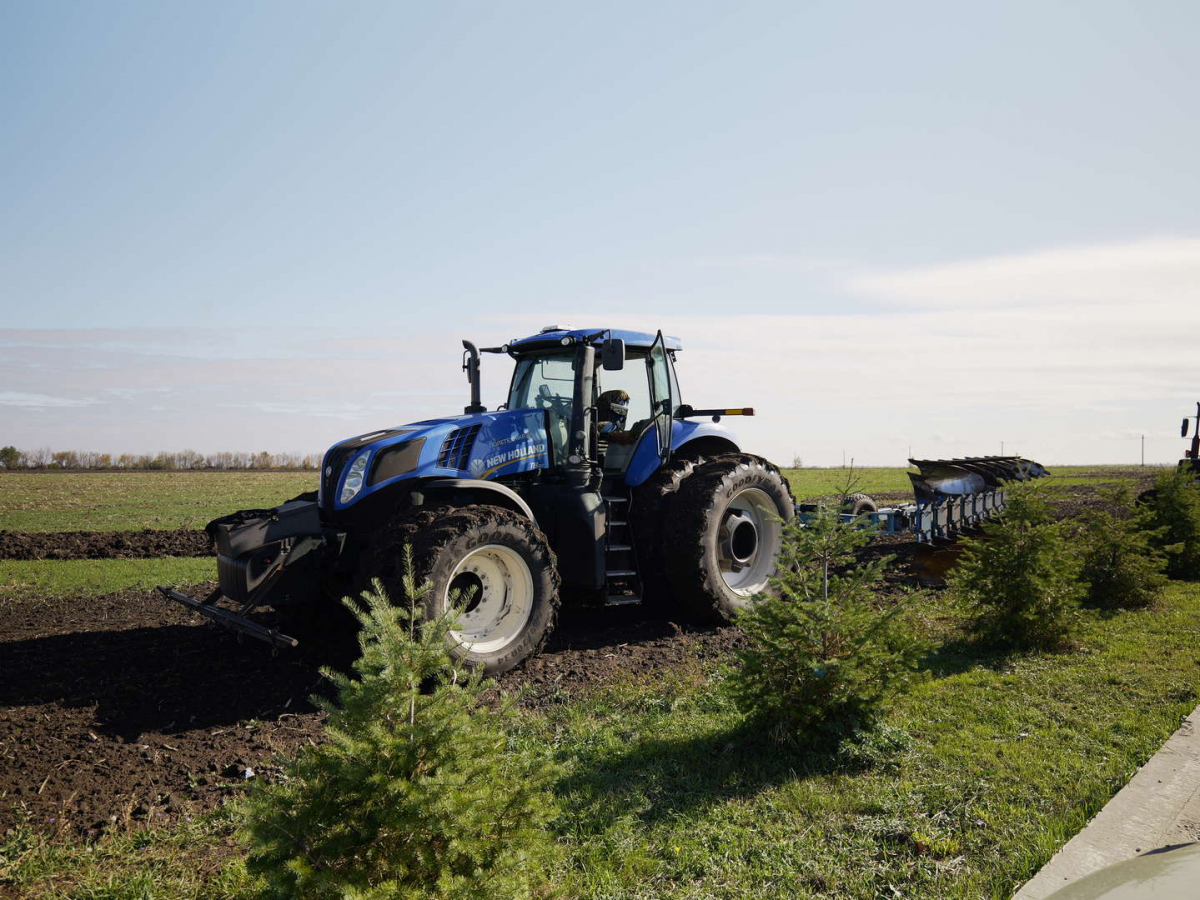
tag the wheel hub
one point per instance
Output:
(739, 539)
(469, 587)
(748, 541)
(495, 588)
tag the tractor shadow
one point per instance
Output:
(172, 678)
(600, 627)
(164, 680)
(964, 653)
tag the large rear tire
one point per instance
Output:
(725, 533)
(494, 560)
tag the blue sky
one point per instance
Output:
(265, 225)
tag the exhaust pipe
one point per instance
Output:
(471, 367)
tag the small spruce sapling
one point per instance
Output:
(1172, 515)
(413, 792)
(820, 658)
(1022, 576)
(1121, 567)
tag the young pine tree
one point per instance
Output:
(1022, 575)
(1119, 564)
(1172, 514)
(413, 792)
(820, 658)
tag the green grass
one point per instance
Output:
(195, 861)
(120, 501)
(22, 579)
(667, 794)
(808, 484)
(124, 501)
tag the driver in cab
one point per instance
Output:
(612, 409)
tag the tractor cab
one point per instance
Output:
(606, 398)
(598, 406)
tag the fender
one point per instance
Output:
(645, 461)
(511, 498)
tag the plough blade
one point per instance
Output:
(934, 561)
(953, 496)
(942, 479)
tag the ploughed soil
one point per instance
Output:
(103, 544)
(127, 710)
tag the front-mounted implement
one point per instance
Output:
(263, 555)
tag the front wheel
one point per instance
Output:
(494, 563)
(725, 534)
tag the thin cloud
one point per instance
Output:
(41, 401)
(1154, 272)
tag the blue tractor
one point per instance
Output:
(593, 479)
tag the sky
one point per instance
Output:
(934, 229)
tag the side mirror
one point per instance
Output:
(612, 355)
(1182, 431)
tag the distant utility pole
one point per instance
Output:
(1002, 448)
(1143, 451)
(843, 459)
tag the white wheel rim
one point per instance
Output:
(500, 604)
(748, 542)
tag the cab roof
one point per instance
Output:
(548, 337)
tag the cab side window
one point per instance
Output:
(634, 381)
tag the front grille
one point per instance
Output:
(456, 449)
(338, 455)
(335, 461)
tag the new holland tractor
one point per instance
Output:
(592, 478)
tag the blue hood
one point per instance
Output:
(480, 445)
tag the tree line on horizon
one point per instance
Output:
(45, 458)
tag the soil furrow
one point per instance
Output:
(146, 544)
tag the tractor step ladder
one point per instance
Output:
(620, 566)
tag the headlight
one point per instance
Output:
(354, 478)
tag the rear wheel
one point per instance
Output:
(725, 533)
(494, 562)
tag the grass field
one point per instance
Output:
(975, 779)
(30, 580)
(809, 484)
(1000, 761)
(125, 501)
(120, 501)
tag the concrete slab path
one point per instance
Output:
(1159, 807)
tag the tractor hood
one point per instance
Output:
(480, 445)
